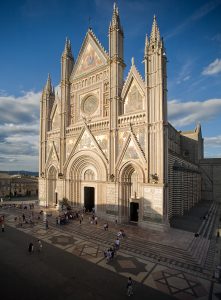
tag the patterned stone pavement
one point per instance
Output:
(151, 272)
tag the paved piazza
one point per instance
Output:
(164, 261)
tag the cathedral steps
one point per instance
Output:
(200, 246)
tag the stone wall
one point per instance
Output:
(211, 179)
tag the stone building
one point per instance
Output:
(18, 186)
(105, 142)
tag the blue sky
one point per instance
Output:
(33, 33)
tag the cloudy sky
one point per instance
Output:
(32, 40)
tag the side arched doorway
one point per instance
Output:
(131, 181)
(52, 180)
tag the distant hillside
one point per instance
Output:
(28, 173)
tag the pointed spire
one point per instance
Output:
(155, 33)
(48, 86)
(67, 47)
(132, 61)
(146, 46)
(115, 23)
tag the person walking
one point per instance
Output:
(30, 248)
(46, 224)
(129, 287)
(3, 227)
(117, 244)
(39, 246)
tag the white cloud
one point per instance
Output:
(213, 68)
(214, 141)
(187, 113)
(19, 131)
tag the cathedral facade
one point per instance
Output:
(105, 141)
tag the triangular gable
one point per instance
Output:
(53, 156)
(133, 94)
(91, 56)
(133, 76)
(85, 141)
(131, 151)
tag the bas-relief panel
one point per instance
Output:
(102, 142)
(111, 198)
(41, 189)
(134, 100)
(131, 152)
(89, 60)
(153, 203)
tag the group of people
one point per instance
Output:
(39, 247)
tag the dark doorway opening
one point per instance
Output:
(89, 198)
(134, 208)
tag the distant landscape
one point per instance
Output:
(21, 172)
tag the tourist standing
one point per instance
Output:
(117, 244)
(39, 246)
(129, 287)
(30, 248)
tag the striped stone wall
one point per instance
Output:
(184, 183)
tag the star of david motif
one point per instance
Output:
(62, 240)
(179, 283)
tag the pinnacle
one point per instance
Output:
(155, 33)
(48, 86)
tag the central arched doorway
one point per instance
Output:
(52, 180)
(86, 174)
(89, 191)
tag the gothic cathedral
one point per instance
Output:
(105, 141)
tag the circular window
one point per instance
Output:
(90, 105)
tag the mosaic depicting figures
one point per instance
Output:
(89, 60)
(86, 143)
(131, 152)
(103, 142)
(140, 134)
(70, 145)
(134, 101)
(122, 138)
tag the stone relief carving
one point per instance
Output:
(89, 175)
